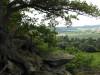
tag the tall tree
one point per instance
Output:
(8, 50)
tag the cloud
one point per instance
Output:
(85, 20)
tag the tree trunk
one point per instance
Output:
(1, 13)
(6, 53)
(3, 34)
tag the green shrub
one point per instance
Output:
(81, 61)
(72, 50)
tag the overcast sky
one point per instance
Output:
(84, 20)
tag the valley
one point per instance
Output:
(80, 31)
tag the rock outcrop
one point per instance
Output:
(55, 64)
(22, 60)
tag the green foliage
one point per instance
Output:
(81, 61)
(96, 62)
(87, 47)
(5, 2)
(84, 7)
(14, 22)
(85, 44)
(82, 49)
(72, 50)
(81, 35)
(42, 31)
(42, 36)
(52, 8)
(43, 47)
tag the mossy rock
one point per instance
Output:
(58, 58)
(43, 73)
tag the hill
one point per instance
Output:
(87, 31)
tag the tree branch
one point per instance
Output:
(4, 68)
(15, 2)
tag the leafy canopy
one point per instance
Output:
(53, 8)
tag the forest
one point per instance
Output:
(31, 48)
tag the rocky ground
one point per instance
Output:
(21, 57)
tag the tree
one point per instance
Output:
(53, 9)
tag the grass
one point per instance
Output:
(96, 59)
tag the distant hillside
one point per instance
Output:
(78, 28)
(88, 26)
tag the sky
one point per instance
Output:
(85, 20)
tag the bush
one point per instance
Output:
(80, 61)
(72, 50)
(87, 48)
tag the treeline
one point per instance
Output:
(81, 49)
(88, 45)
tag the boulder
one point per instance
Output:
(57, 59)
(54, 63)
